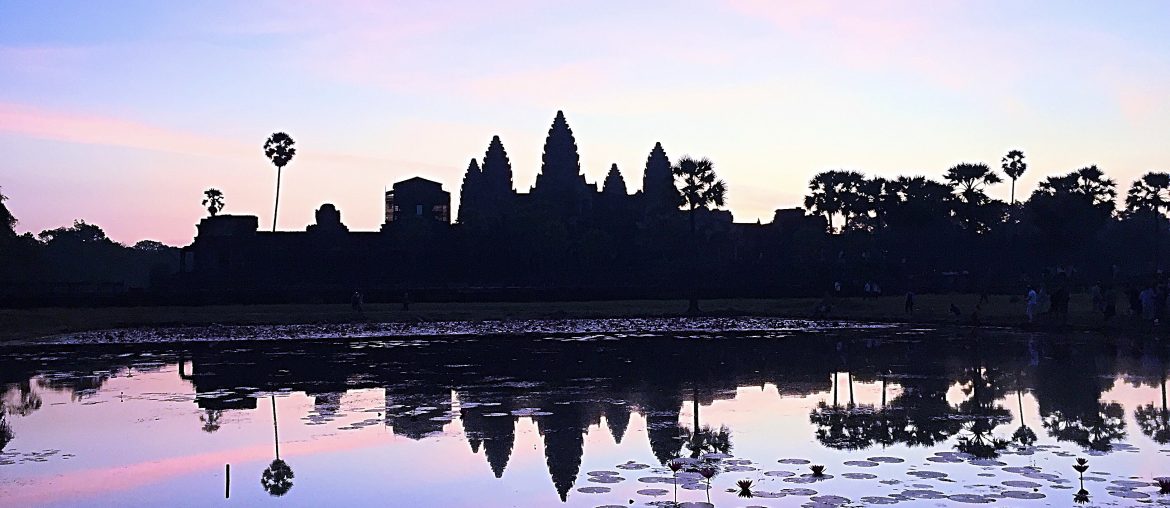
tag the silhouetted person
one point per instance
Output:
(1033, 300)
(1109, 302)
(909, 302)
(406, 300)
(355, 302)
(1059, 306)
(1098, 297)
(1131, 298)
(824, 308)
(1147, 303)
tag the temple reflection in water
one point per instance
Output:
(567, 385)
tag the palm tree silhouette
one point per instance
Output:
(1151, 193)
(279, 149)
(969, 180)
(213, 200)
(278, 476)
(1014, 167)
(834, 193)
(700, 189)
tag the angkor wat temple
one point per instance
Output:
(562, 239)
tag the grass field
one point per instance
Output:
(930, 309)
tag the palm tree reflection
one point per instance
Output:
(1024, 436)
(5, 430)
(975, 437)
(1155, 421)
(210, 420)
(703, 439)
(277, 478)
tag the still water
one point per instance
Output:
(897, 416)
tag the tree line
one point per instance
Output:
(1069, 226)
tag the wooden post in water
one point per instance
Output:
(227, 481)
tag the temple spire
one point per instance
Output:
(471, 195)
(614, 184)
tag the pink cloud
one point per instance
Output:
(33, 122)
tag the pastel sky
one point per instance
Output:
(122, 113)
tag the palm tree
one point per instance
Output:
(1088, 183)
(279, 149)
(213, 200)
(700, 189)
(1151, 193)
(277, 477)
(1014, 167)
(834, 192)
(968, 181)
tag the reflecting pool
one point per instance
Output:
(912, 417)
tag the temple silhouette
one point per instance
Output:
(563, 233)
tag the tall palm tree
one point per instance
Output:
(213, 200)
(1014, 167)
(700, 188)
(279, 149)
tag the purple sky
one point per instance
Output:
(123, 113)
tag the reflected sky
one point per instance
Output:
(524, 421)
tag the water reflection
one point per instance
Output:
(948, 393)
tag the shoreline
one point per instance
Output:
(56, 325)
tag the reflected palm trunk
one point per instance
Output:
(275, 429)
(851, 403)
(1152, 421)
(695, 402)
(883, 391)
(277, 478)
(835, 379)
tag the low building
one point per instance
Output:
(418, 199)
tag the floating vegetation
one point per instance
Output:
(817, 470)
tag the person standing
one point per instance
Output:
(1033, 300)
(909, 302)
